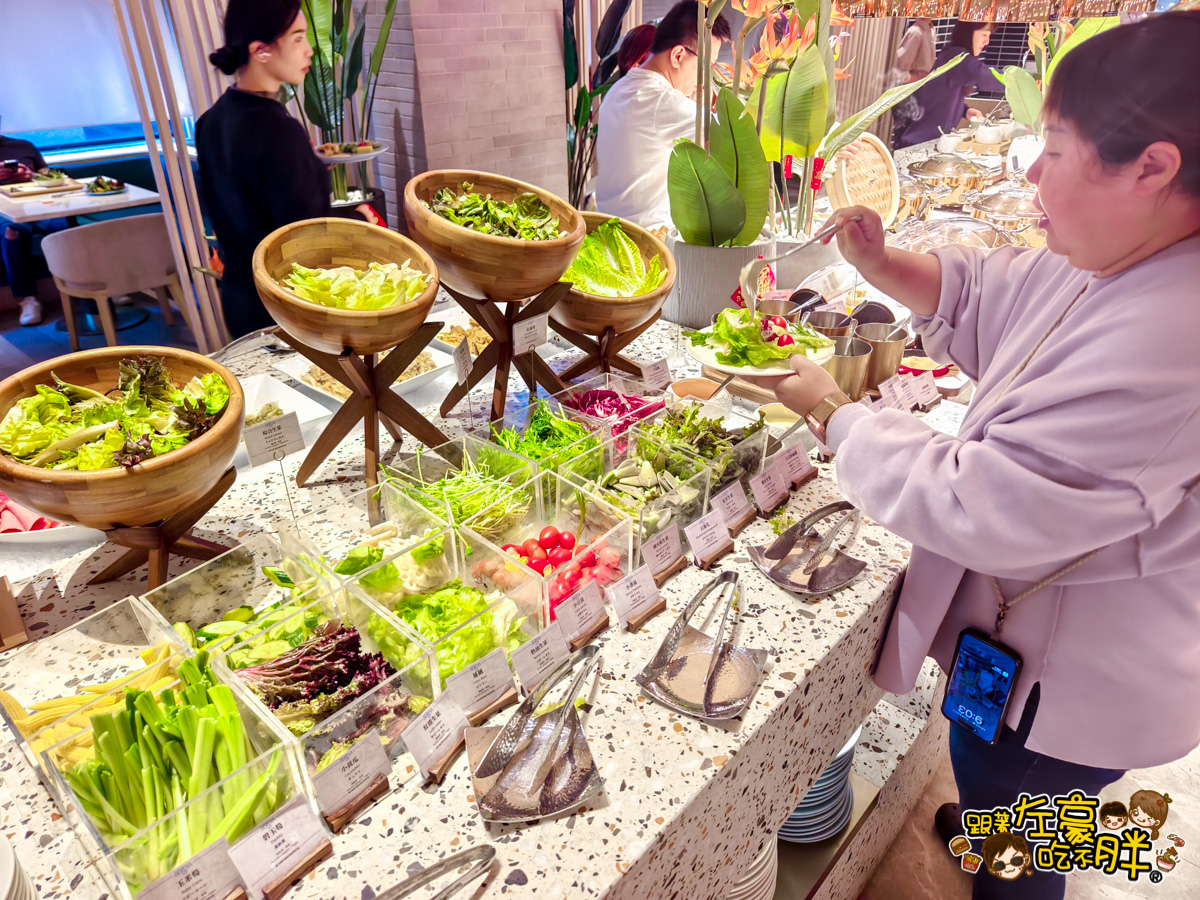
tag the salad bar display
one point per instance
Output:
(734, 445)
(616, 401)
(546, 434)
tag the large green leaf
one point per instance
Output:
(1021, 92)
(705, 204)
(824, 17)
(796, 107)
(353, 62)
(319, 14)
(850, 130)
(385, 29)
(608, 33)
(320, 103)
(570, 47)
(1085, 29)
(733, 143)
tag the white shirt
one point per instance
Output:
(641, 117)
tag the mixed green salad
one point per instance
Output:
(742, 338)
(145, 415)
(551, 439)
(609, 264)
(729, 451)
(379, 286)
(527, 217)
(49, 175)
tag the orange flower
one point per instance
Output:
(753, 9)
(839, 17)
(785, 48)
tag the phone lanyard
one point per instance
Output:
(1003, 602)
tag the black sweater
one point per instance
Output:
(258, 172)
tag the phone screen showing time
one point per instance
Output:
(981, 684)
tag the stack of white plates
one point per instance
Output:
(759, 880)
(826, 809)
(14, 881)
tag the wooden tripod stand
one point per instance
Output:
(371, 400)
(603, 352)
(533, 369)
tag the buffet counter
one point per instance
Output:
(686, 807)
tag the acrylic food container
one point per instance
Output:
(416, 476)
(741, 460)
(424, 604)
(585, 456)
(247, 589)
(85, 668)
(273, 773)
(600, 548)
(626, 386)
(689, 478)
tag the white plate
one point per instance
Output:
(263, 389)
(352, 157)
(297, 366)
(707, 356)
(121, 190)
(64, 534)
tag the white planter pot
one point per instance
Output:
(706, 278)
(794, 269)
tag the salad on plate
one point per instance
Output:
(741, 339)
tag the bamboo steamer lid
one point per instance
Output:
(868, 180)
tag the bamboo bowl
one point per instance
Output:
(592, 314)
(487, 266)
(148, 492)
(330, 242)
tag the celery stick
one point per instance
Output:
(181, 825)
(180, 763)
(241, 817)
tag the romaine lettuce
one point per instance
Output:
(376, 287)
(609, 264)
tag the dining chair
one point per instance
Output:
(110, 258)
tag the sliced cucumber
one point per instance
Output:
(241, 614)
(185, 632)
(215, 630)
(268, 651)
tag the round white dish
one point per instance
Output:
(707, 356)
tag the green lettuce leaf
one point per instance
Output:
(376, 287)
(609, 264)
(737, 338)
(100, 454)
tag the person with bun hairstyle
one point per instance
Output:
(1148, 809)
(1063, 519)
(258, 170)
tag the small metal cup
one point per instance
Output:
(885, 355)
(790, 311)
(831, 324)
(851, 359)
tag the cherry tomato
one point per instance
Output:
(571, 576)
(603, 575)
(558, 556)
(586, 559)
(511, 549)
(490, 566)
(566, 540)
(539, 565)
(608, 557)
(584, 580)
(779, 321)
(558, 590)
(537, 552)
(786, 340)
(549, 538)
(529, 546)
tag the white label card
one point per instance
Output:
(350, 774)
(634, 594)
(708, 534)
(890, 392)
(663, 550)
(530, 334)
(927, 391)
(579, 612)
(482, 683)
(657, 374)
(908, 391)
(732, 503)
(462, 360)
(281, 433)
(435, 732)
(795, 462)
(536, 658)
(209, 875)
(277, 845)
(769, 487)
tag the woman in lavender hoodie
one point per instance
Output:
(1082, 444)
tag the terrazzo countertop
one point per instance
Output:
(686, 805)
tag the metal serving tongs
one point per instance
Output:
(480, 859)
(749, 274)
(699, 675)
(522, 754)
(797, 559)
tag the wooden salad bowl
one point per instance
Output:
(592, 314)
(326, 243)
(123, 498)
(487, 266)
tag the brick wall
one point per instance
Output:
(472, 84)
(396, 118)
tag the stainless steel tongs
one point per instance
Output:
(480, 858)
(804, 569)
(751, 269)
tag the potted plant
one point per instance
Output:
(339, 89)
(1023, 90)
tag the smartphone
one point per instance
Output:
(980, 687)
(10, 164)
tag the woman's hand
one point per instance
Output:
(851, 150)
(804, 389)
(861, 242)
